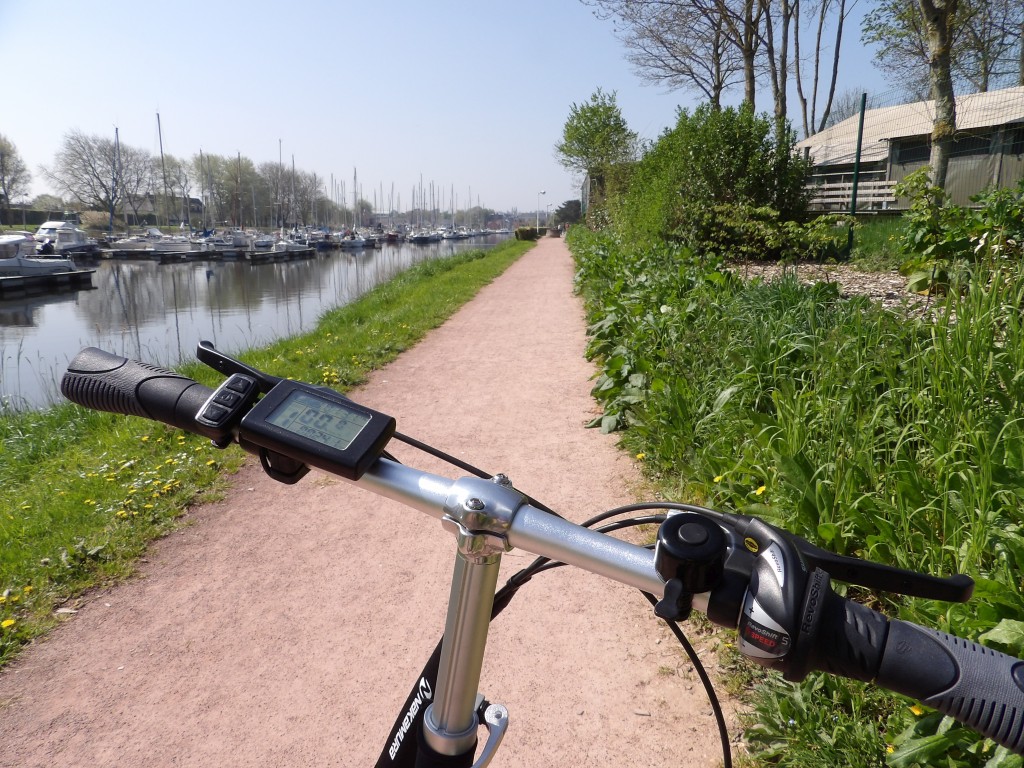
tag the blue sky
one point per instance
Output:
(470, 95)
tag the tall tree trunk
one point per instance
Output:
(1020, 70)
(840, 20)
(749, 51)
(938, 18)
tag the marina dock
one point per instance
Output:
(22, 285)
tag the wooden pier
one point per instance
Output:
(26, 285)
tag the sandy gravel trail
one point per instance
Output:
(285, 625)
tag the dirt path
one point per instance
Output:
(285, 625)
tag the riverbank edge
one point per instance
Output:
(83, 493)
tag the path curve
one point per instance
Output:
(285, 625)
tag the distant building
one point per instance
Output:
(988, 150)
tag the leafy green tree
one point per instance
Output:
(596, 138)
(569, 212)
(14, 175)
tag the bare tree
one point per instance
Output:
(14, 175)
(989, 34)
(135, 177)
(825, 11)
(986, 42)
(678, 45)
(779, 14)
(86, 168)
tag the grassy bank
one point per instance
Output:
(868, 432)
(82, 493)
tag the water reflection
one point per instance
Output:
(158, 312)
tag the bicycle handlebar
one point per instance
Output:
(106, 382)
(982, 688)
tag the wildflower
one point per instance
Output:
(145, 438)
(211, 462)
(7, 623)
(760, 490)
(917, 709)
(641, 456)
(889, 749)
(27, 589)
(718, 479)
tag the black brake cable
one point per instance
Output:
(504, 595)
(544, 564)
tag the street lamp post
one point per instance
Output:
(542, 192)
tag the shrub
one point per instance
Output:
(712, 158)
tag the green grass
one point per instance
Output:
(891, 438)
(82, 492)
(875, 243)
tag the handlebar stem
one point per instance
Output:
(450, 723)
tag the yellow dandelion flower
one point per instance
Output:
(917, 709)
(3, 599)
(211, 462)
(760, 490)
(27, 589)
(889, 749)
(7, 623)
(147, 506)
(145, 438)
(641, 456)
(718, 478)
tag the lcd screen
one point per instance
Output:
(320, 420)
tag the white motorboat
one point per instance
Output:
(62, 238)
(17, 258)
(152, 240)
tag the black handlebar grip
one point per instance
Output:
(980, 687)
(107, 382)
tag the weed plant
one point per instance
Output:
(867, 431)
(82, 492)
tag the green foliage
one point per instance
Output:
(868, 432)
(569, 212)
(714, 167)
(941, 239)
(595, 136)
(526, 233)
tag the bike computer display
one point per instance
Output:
(319, 427)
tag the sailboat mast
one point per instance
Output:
(163, 166)
(114, 179)
(202, 186)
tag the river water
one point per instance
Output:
(159, 312)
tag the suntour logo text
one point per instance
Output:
(424, 694)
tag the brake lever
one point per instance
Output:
(206, 353)
(864, 573)
(852, 570)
